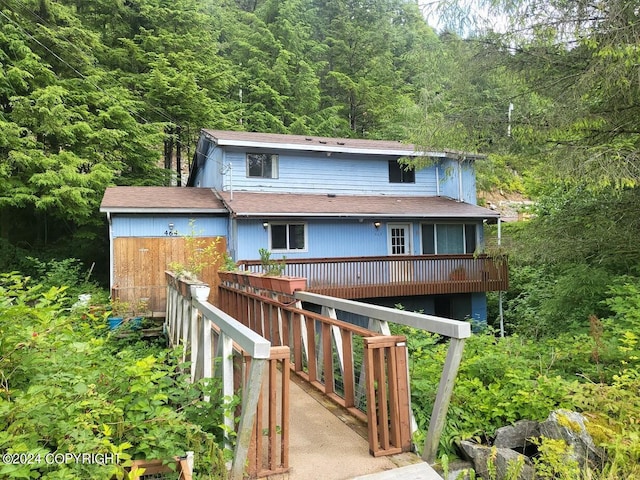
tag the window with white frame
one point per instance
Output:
(443, 238)
(262, 165)
(286, 237)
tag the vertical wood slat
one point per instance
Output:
(404, 396)
(272, 412)
(372, 413)
(348, 376)
(387, 395)
(296, 319)
(312, 358)
(329, 386)
(381, 405)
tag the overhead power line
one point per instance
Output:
(157, 110)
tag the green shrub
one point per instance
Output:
(67, 388)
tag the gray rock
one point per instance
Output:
(458, 470)
(502, 458)
(570, 427)
(517, 436)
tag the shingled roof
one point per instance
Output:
(246, 204)
(326, 144)
(160, 200)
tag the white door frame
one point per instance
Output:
(408, 240)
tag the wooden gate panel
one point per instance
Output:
(139, 264)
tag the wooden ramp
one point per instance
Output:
(326, 443)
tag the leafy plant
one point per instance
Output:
(200, 253)
(270, 266)
(66, 387)
(228, 264)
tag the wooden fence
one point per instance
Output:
(379, 318)
(139, 265)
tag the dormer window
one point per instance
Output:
(262, 165)
(398, 174)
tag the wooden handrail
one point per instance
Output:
(207, 333)
(325, 354)
(379, 317)
(423, 274)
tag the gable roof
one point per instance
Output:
(271, 205)
(161, 200)
(325, 144)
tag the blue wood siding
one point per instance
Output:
(157, 225)
(328, 238)
(479, 309)
(325, 238)
(450, 173)
(318, 173)
(426, 304)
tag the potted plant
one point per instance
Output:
(229, 271)
(139, 310)
(119, 309)
(274, 270)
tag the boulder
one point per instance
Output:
(517, 436)
(502, 458)
(570, 427)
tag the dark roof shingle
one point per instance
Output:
(327, 144)
(129, 199)
(300, 205)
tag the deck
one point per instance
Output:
(396, 276)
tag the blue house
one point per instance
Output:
(348, 216)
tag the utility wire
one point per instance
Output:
(160, 112)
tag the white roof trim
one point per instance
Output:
(318, 147)
(162, 210)
(363, 215)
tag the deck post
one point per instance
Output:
(226, 342)
(194, 343)
(443, 397)
(253, 388)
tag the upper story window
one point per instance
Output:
(288, 236)
(262, 165)
(398, 174)
(443, 238)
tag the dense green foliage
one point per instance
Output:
(66, 386)
(513, 378)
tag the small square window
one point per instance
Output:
(262, 165)
(288, 236)
(399, 174)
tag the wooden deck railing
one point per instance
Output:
(217, 345)
(379, 318)
(368, 277)
(368, 377)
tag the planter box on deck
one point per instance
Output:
(281, 284)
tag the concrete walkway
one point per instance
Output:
(326, 443)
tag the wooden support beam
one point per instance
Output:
(252, 390)
(443, 397)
